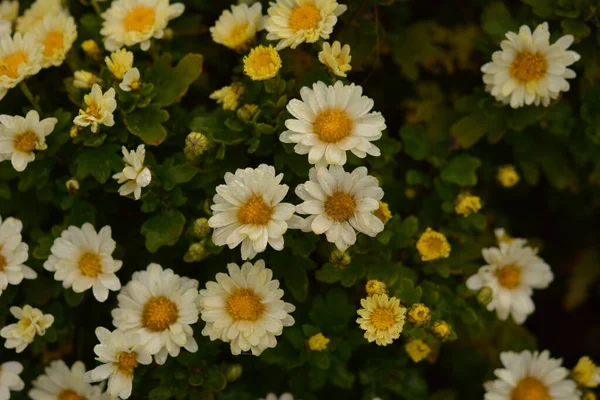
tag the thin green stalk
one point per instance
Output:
(32, 99)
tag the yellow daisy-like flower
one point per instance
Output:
(336, 57)
(229, 96)
(262, 63)
(586, 373)
(374, 287)
(508, 176)
(433, 245)
(417, 349)
(236, 29)
(441, 330)
(419, 314)
(119, 62)
(56, 32)
(467, 204)
(382, 318)
(318, 342)
(383, 212)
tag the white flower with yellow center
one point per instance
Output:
(160, 306)
(236, 29)
(36, 13)
(20, 136)
(56, 32)
(513, 270)
(13, 253)
(120, 353)
(9, 10)
(293, 22)
(32, 322)
(336, 58)
(340, 203)
(9, 379)
(531, 376)
(247, 210)
(129, 22)
(135, 174)
(82, 259)
(331, 120)
(273, 396)
(131, 80)
(119, 62)
(244, 308)
(98, 110)
(59, 382)
(20, 57)
(382, 318)
(528, 69)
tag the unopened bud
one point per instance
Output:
(340, 259)
(91, 48)
(441, 330)
(419, 315)
(72, 185)
(234, 372)
(84, 79)
(74, 131)
(196, 252)
(375, 287)
(201, 228)
(196, 143)
(247, 111)
(485, 295)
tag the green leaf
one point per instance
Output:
(469, 130)
(461, 170)
(496, 20)
(170, 83)
(213, 124)
(416, 143)
(172, 175)
(333, 312)
(163, 229)
(575, 27)
(214, 379)
(146, 123)
(99, 162)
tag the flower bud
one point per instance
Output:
(196, 143)
(201, 228)
(419, 315)
(441, 330)
(91, 49)
(485, 295)
(72, 185)
(375, 287)
(196, 252)
(246, 112)
(233, 372)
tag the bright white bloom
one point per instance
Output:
(244, 308)
(293, 22)
(160, 306)
(36, 13)
(336, 57)
(237, 28)
(131, 80)
(135, 173)
(13, 253)
(84, 79)
(339, 203)
(5, 28)
(61, 383)
(273, 396)
(529, 376)
(248, 210)
(120, 354)
(9, 10)
(9, 379)
(82, 259)
(20, 57)
(129, 22)
(56, 32)
(32, 322)
(528, 69)
(119, 62)
(20, 136)
(99, 109)
(512, 272)
(330, 120)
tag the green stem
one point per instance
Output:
(32, 99)
(96, 7)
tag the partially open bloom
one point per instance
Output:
(13, 253)
(244, 308)
(383, 212)
(20, 136)
(237, 28)
(467, 204)
(528, 69)
(119, 62)
(59, 382)
(82, 259)
(32, 322)
(131, 80)
(433, 245)
(85, 80)
(129, 22)
(419, 314)
(318, 342)
(336, 58)
(382, 318)
(91, 49)
(586, 373)
(36, 13)
(508, 176)
(441, 330)
(417, 349)
(98, 110)
(9, 379)
(293, 22)
(528, 376)
(262, 63)
(135, 174)
(20, 57)
(375, 287)
(229, 96)
(56, 33)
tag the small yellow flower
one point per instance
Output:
(74, 131)
(467, 204)
(507, 176)
(196, 143)
(417, 349)
(119, 62)
(586, 373)
(229, 96)
(336, 58)
(262, 63)
(441, 330)
(382, 318)
(383, 212)
(318, 342)
(433, 245)
(589, 396)
(246, 112)
(419, 315)
(90, 47)
(375, 287)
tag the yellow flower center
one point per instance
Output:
(53, 43)
(24, 323)
(332, 125)
(255, 211)
(92, 110)
(509, 276)
(127, 362)
(25, 142)
(530, 388)
(244, 305)
(9, 65)
(383, 318)
(140, 19)
(238, 36)
(69, 394)
(306, 16)
(528, 67)
(159, 313)
(89, 264)
(340, 206)
(3, 262)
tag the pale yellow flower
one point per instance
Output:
(433, 245)
(336, 58)
(262, 63)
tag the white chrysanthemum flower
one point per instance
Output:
(85, 80)
(13, 253)
(244, 308)
(339, 203)
(59, 382)
(273, 396)
(247, 210)
(20, 136)
(528, 376)
(9, 10)
(331, 120)
(56, 33)
(131, 81)
(528, 69)
(135, 173)
(512, 272)
(99, 109)
(9, 379)
(382, 318)
(20, 57)
(160, 306)
(336, 57)
(32, 322)
(293, 22)
(120, 353)
(119, 62)
(36, 13)
(236, 29)
(129, 22)
(82, 259)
